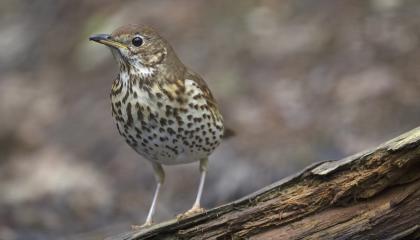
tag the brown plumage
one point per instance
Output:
(165, 111)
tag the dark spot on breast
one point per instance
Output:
(113, 109)
(139, 112)
(171, 131)
(175, 112)
(129, 115)
(180, 100)
(168, 94)
(190, 92)
(152, 116)
(127, 93)
(163, 121)
(119, 119)
(149, 91)
(118, 128)
(125, 128)
(145, 128)
(180, 121)
(172, 149)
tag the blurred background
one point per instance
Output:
(300, 81)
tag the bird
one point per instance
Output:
(164, 110)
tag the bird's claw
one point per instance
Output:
(192, 212)
(141, 227)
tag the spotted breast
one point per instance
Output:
(169, 123)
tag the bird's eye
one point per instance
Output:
(137, 41)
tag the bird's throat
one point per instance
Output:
(136, 73)
(142, 71)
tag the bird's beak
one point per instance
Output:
(107, 40)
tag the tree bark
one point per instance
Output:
(374, 194)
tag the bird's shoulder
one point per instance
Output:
(201, 84)
(187, 85)
(192, 76)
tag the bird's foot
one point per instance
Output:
(192, 212)
(141, 227)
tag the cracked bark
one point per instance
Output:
(374, 194)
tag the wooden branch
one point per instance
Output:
(371, 195)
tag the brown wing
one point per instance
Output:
(209, 97)
(203, 86)
(228, 133)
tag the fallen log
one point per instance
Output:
(374, 194)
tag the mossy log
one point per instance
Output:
(374, 194)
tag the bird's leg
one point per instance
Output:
(203, 170)
(196, 208)
(160, 177)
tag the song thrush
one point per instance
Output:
(165, 111)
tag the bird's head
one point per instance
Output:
(139, 50)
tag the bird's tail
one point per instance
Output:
(228, 133)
